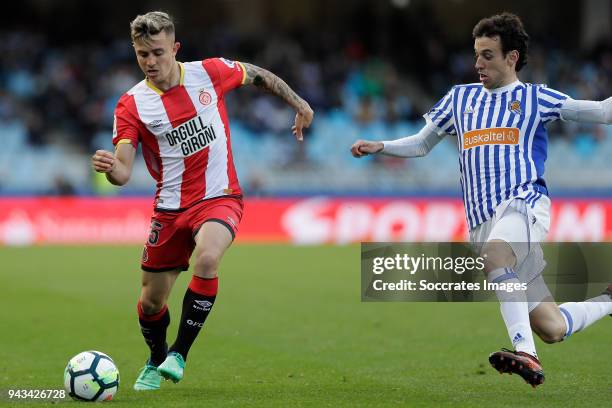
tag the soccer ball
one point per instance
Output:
(91, 376)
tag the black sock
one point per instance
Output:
(197, 304)
(153, 328)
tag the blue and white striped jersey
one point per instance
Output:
(502, 141)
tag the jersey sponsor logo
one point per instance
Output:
(229, 63)
(205, 98)
(490, 136)
(191, 136)
(515, 107)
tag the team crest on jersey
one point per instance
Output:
(205, 98)
(515, 107)
(229, 63)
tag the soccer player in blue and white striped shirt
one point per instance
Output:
(500, 126)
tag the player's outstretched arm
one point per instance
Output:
(412, 146)
(269, 82)
(118, 166)
(366, 147)
(588, 111)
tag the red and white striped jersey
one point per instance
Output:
(184, 132)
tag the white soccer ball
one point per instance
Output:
(91, 376)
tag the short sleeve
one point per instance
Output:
(225, 74)
(126, 128)
(441, 115)
(550, 103)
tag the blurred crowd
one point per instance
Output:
(59, 100)
(67, 95)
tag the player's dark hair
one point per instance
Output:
(511, 32)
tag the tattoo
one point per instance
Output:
(258, 81)
(269, 82)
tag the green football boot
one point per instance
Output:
(148, 379)
(172, 367)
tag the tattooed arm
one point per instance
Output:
(269, 82)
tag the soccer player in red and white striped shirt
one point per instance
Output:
(178, 114)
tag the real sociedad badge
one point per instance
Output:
(515, 107)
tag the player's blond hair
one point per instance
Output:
(146, 25)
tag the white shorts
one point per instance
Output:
(523, 226)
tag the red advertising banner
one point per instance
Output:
(26, 221)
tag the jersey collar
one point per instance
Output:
(159, 91)
(503, 89)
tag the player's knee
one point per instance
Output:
(497, 254)
(553, 333)
(151, 305)
(206, 264)
(493, 262)
(551, 338)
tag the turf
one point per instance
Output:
(288, 329)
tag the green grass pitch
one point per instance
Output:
(288, 329)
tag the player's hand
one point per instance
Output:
(103, 161)
(364, 147)
(303, 119)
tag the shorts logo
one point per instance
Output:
(515, 107)
(205, 98)
(490, 136)
(145, 255)
(231, 221)
(203, 305)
